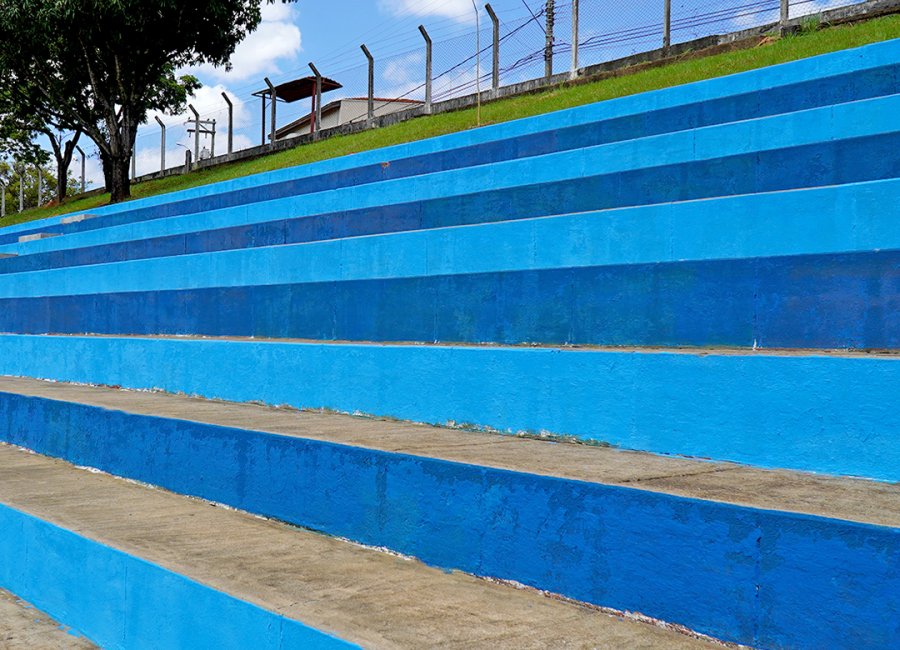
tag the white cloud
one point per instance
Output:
(460, 10)
(276, 40)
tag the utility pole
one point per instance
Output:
(196, 132)
(162, 145)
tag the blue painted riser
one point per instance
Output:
(768, 579)
(755, 408)
(808, 74)
(849, 161)
(122, 602)
(788, 151)
(801, 96)
(810, 301)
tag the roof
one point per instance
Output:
(292, 91)
(334, 105)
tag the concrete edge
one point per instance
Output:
(116, 599)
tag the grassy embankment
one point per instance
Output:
(770, 52)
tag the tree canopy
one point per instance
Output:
(100, 66)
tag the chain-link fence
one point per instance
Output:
(488, 47)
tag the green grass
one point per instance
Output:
(809, 42)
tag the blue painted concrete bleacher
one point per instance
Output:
(728, 218)
(836, 78)
(639, 277)
(804, 149)
(754, 408)
(720, 569)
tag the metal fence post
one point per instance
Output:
(785, 12)
(133, 163)
(3, 200)
(230, 121)
(22, 189)
(495, 57)
(196, 131)
(548, 46)
(262, 102)
(427, 68)
(40, 186)
(370, 111)
(162, 144)
(318, 115)
(667, 24)
(574, 72)
(83, 186)
(273, 97)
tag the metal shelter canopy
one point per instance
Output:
(292, 91)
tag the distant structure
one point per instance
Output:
(344, 111)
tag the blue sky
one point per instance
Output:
(329, 33)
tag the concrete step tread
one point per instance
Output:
(836, 497)
(22, 627)
(362, 595)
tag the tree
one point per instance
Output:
(102, 65)
(24, 116)
(12, 176)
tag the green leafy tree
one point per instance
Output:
(102, 65)
(22, 120)
(13, 175)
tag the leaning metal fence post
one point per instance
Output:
(370, 111)
(318, 124)
(162, 144)
(667, 24)
(495, 50)
(273, 97)
(427, 68)
(230, 121)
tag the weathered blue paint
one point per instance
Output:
(769, 579)
(804, 149)
(807, 301)
(825, 220)
(760, 409)
(828, 91)
(121, 601)
(832, 78)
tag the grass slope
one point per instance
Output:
(772, 52)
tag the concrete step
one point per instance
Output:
(22, 627)
(766, 408)
(276, 582)
(814, 268)
(790, 151)
(715, 547)
(834, 78)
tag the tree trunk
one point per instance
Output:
(118, 182)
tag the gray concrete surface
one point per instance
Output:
(22, 627)
(363, 595)
(841, 498)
